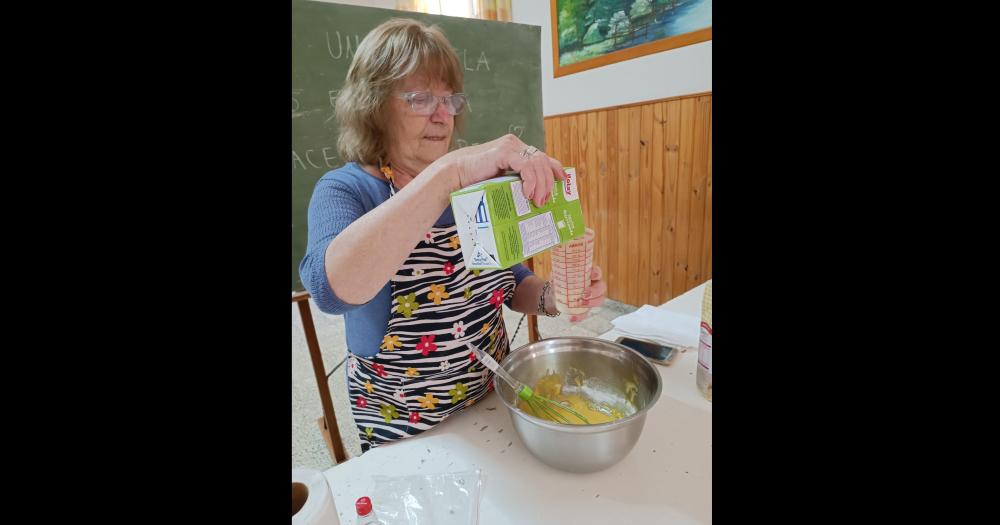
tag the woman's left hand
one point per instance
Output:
(593, 295)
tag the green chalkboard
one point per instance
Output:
(503, 78)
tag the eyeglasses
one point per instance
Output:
(426, 103)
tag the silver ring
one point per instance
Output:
(529, 151)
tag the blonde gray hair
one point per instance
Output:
(395, 50)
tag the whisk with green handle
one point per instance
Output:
(535, 402)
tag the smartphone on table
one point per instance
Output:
(655, 352)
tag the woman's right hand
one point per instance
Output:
(484, 161)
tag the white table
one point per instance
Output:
(666, 478)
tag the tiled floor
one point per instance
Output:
(308, 447)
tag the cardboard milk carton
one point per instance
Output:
(498, 227)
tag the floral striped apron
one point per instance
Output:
(424, 372)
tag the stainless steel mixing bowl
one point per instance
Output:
(580, 448)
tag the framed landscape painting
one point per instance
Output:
(592, 33)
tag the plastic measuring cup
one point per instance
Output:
(571, 265)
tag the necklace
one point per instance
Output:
(386, 170)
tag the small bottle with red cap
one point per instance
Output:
(365, 514)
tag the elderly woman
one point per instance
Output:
(383, 248)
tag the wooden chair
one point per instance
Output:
(327, 423)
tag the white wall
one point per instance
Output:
(672, 73)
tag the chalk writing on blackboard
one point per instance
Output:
(342, 47)
(341, 41)
(483, 61)
(328, 153)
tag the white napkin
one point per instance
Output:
(663, 326)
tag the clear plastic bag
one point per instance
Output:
(436, 499)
